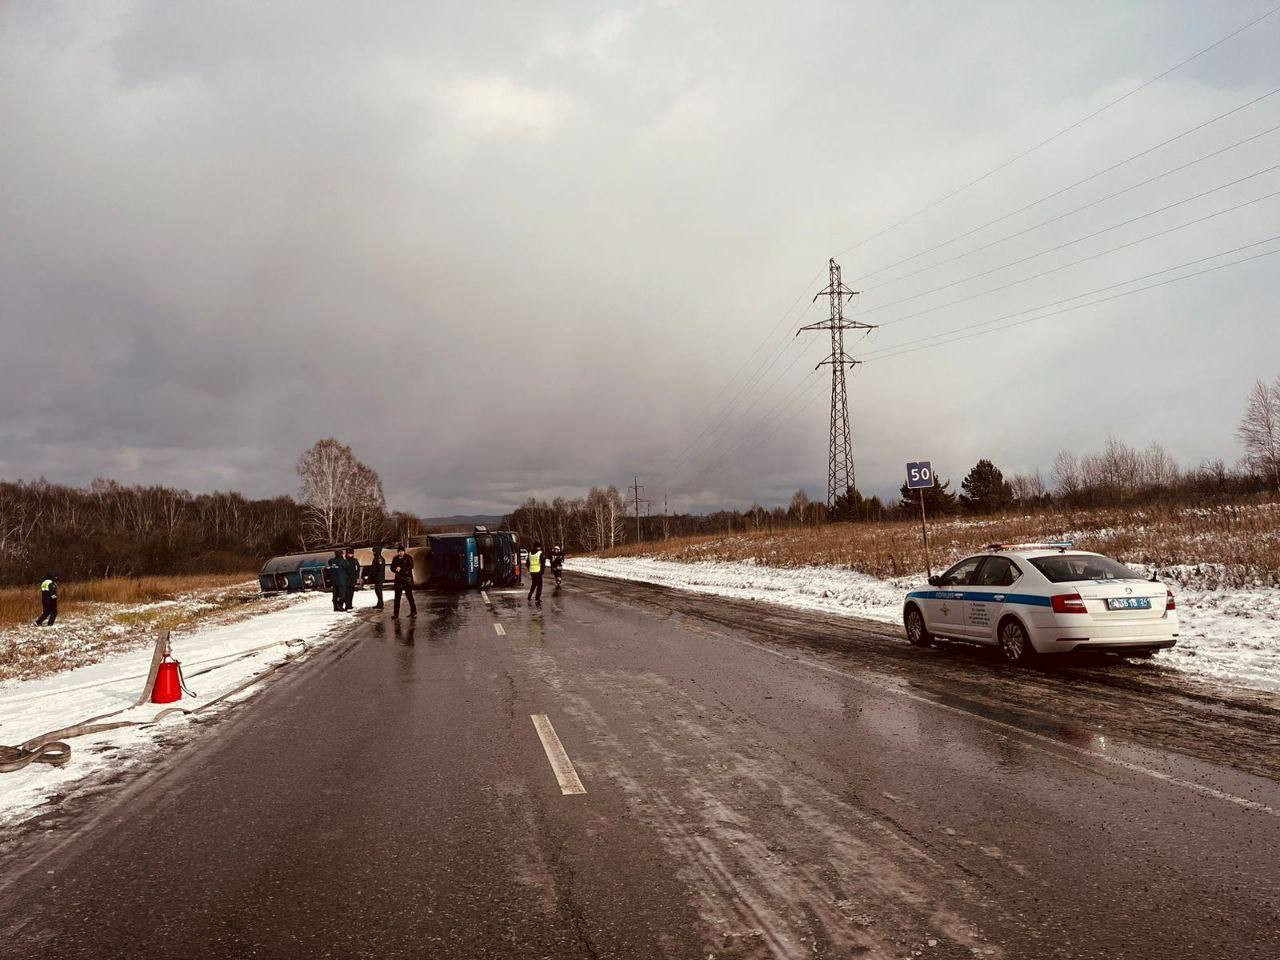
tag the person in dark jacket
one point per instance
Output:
(339, 574)
(377, 573)
(48, 600)
(402, 567)
(353, 565)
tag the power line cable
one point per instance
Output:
(714, 443)
(767, 338)
(817, 388)
(1073, 263)
(1258, 256)
(897, 349)
(1049, 196)
(1065, 130)
(767, 364)
(1093, 203)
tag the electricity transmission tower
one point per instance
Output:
(635, 489)
(840, 453)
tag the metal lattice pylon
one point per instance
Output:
(840, 446)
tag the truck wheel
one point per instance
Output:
(917, 633)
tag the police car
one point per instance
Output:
(1033, 598)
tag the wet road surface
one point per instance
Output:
(758, 783)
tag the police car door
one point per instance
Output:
(946, 613)
(986, 597)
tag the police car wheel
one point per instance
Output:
(1015, 645)
(917, 634)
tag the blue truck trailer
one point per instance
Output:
(294, 571)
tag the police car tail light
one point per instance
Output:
(1168, 602)
(1068, 603)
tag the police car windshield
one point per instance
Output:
(1069, 567)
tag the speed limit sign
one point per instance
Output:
(919, 475)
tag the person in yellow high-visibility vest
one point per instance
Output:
(535, 574)
(48, 601)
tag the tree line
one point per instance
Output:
(1116, 475)
(109, 529)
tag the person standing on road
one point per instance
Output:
(557, 562)
(353, 566)
(377, 573)
(48, 600)
(402, 567)
(535, 574)
(339, 574)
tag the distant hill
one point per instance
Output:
(461, 520)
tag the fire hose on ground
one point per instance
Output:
(52, 748)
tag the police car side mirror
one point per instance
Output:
(935, 581)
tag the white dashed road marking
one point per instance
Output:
(485, 595)
(499, 630)
(561, 765)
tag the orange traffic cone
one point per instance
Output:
(168, 686)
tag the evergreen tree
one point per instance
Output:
(938, 499)
(985, 489)
(848, 506)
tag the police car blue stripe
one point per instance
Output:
(1026, 599)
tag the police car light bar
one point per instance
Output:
(1057, 545)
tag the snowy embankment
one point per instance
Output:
(1230, 634)
(215, 659)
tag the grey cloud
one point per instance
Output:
(505, 250)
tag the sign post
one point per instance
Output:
(920, 477)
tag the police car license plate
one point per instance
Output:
(1129, 603)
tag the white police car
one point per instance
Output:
(1030, 598)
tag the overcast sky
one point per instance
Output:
(505, 249)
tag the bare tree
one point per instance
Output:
(1066, 474)
(799, 509)
(343, 497)
(1028, 487)
(1259, 431)
(1159, 470)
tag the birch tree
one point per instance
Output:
(342, 496)
(1259, 431)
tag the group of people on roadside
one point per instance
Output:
(345, 572)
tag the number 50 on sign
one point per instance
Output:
(919, 475)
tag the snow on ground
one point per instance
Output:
(1230, 634)
(214, 659)
(91, 631)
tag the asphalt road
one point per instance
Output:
(758, 783)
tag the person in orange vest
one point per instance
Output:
(48, 600)
(535, 574)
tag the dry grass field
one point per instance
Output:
(22, 604)
(100, 617)
(1234, 544)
